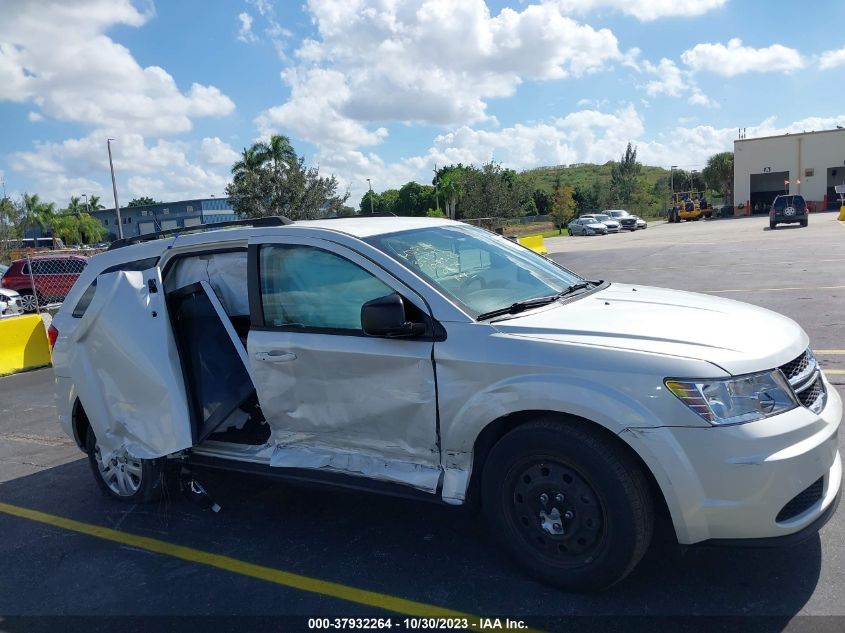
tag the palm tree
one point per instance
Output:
(94, 203)
(250, 162)
(74, 206)
(35, 213)
(279, 151)
(452, 188)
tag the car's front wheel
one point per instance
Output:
(572, 508)
(804, 223)
(773, 225)
(124, 476)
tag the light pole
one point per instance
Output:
(114, 190)
(87, 206)
(371, 196)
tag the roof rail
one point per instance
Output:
(273, 220)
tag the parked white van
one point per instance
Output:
(431, 358)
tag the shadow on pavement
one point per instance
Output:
(430, 553)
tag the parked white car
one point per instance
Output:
(428, 356)
(10, 303)
(612, 225)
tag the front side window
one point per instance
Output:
(480, 270)
(308, 287)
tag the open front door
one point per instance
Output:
(134, 393)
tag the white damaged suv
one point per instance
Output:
(431, 358)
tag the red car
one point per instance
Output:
(53, 276)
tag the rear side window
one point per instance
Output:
(307, 287)
(84, 301)
(74, 266)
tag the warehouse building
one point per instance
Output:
(809, 163)
(165, 216)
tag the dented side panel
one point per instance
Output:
(350, 404)
(132, 391)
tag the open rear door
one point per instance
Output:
(133, 391)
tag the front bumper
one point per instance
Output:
(732, 482)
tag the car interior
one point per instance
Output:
(209, 311)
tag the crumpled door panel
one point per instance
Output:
(127, 368)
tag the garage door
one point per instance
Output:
(764, 188)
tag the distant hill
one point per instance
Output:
(583, 175)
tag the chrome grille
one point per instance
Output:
(797, 367)
(805, 379)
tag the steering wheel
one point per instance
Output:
(471, 278)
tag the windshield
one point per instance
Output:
(789, 201)
(480, 270)
(602, 217)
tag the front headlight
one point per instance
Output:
(736, 400)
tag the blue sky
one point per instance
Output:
(386, 89)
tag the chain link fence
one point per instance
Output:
(43, 281)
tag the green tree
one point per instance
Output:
(643, 201)
(66, 227)
(269, 179)
(35, 213)
(563, 205)
(624, 176)
(542, 201)
(415, 199)
(719, 174)
(9, 227)
(488, 192)
(137, 202)
(94, 203)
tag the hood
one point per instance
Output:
(9, 294)
(738, 337)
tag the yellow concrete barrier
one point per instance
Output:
(535, 243)
(23, 343)
(842, 213)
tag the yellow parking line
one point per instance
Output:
(834, 372)
(775, 289)
(829, 352)
(373, 599)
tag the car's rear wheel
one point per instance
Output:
(773, 225)
(29, 303)
(571, 508)
(803, 222)
(124, 476)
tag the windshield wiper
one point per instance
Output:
(527, 304)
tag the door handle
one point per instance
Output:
(275, 356)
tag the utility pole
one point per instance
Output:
(371, 196)
(114, 190)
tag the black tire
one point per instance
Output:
(804, 223)
(149, 483)
(571, 508)
(773, 225)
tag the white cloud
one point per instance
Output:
(56, 55)
(313, 111)
(245, 33)
(644, 10)
(35, 117)
(832, 59)
(217, 152)
(735, 59)
(670, 79)
(166, 170)
(432, 61)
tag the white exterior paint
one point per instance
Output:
(793, 153)
(602, 357)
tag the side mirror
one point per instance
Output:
(385, 316)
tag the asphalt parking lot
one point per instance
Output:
(280, 550)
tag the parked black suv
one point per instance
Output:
(787, 210)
